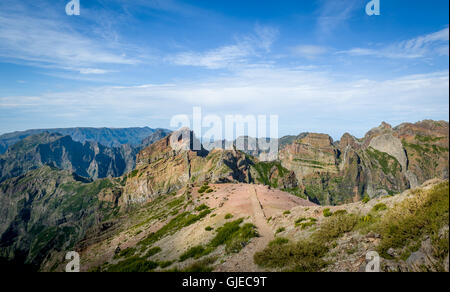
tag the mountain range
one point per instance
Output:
(85, 156)
(109, 137)
(154, 206)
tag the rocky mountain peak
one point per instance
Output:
(385, 126)
(348, 140)
(316, 140)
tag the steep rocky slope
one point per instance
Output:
(164, 167)
(46, 212)
(220, 221)
(220, 227)
(196, 210)
(408, 231)
(88, 159)
(386, 161)
(244, 227)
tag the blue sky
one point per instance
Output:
(322, 66)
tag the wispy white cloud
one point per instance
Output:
(436, 43)
(293, 94)
(333, 14)
(309, 51)
(27, 37)
(233, 55)
(93, 71)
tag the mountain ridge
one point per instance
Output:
(106, 136)
(176, 195)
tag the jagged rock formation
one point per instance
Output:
(155, 137)
(45, 211)
(167, 166)
(89, 159)
(387, 160)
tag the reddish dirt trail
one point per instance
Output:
(243, 261)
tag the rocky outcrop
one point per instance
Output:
(155, 137)
(172, 162)
(313, 153)
(387, 160)
(391, 145)
(384, 162)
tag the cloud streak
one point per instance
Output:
(436, 43)
(230, 56)
(50, 42)
(333, 14)
(317, 96)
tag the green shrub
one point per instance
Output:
(194, 252)
(327, 212)
(307, 255)
(335, 227)
(340, 212)
(286, 212)
(279, 241)
(205, 188)
(203, 266)
(303, 256)
(133, 264)
(183, 220)
(425, 212)
(126, 253)
(281, 229)
(209, 228)
(440, 246)
(307, 224)
(164, 265)
(233, 236)
(133, 173)
(303, 224)
(228, 216)
(366, 199)
(379, 207)
(201, 207)
(152, 251)
(300, 220)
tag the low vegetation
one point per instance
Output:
(388, 163)
(327, 212)
(183, 220)
(228, 216)
(233, 235)
(424, 213)
(306, 255)
(402, 227)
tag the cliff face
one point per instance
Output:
(52, 210)
(88, 159)
(161, 169)
(387, 160)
